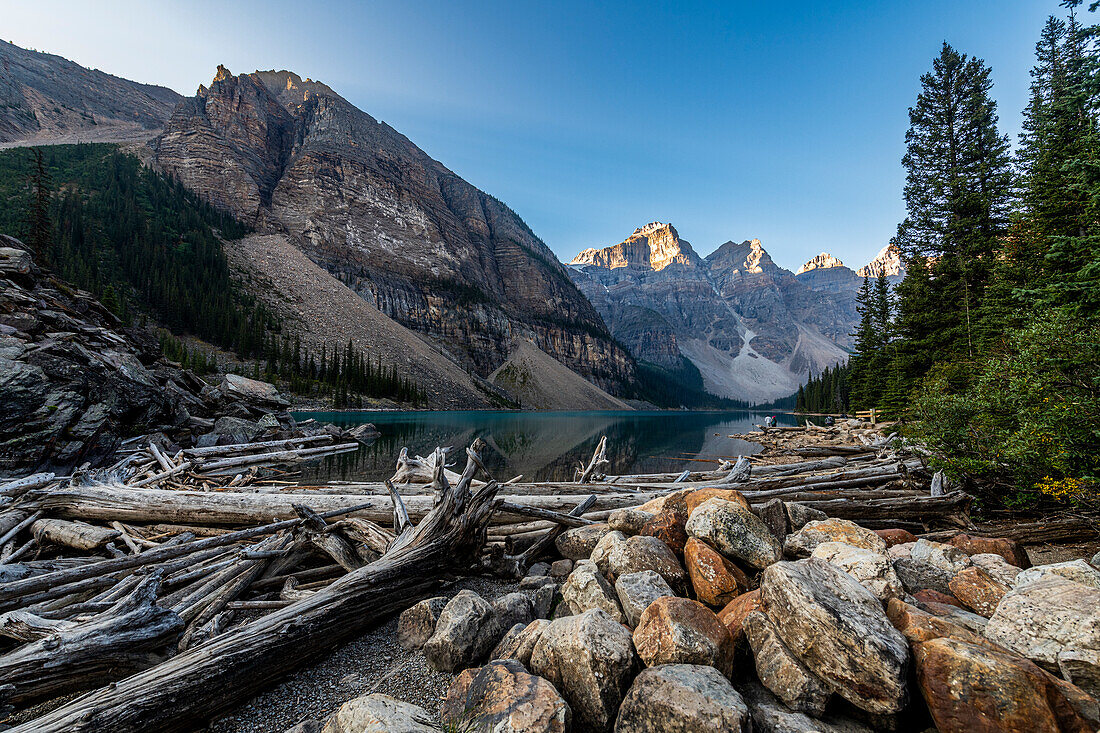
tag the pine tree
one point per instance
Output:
(957, 194)
(39, 223)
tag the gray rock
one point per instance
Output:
(378, 713)
(416, 624)
(232, 430)
(1082, 668)
(268, 422)
(533, 582)
(771, 716)
(871, 569)
(800, 515)
(251, 390)
(590, 659)
(773, 514)
(628, 521)
(502, 697)
(997, 568)
(1078, 571)
(586, 588)
(512, 609)
(466, 631)
(1095, 561)
(639, 553)
(780, 671)
(15, 262)
(916, 575)
(544, 599)
(682, 698)
(539, 569)
(578, 543)
(803, 541)
(601, 553)
(948, 558)
(735, 532)
(636, 591)
(1042, 619)
(838, 630)
(520, 641)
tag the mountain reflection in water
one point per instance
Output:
(542, 446)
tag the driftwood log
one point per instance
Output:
(188, 690)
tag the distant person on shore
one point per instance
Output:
(769, 421)
(829, 421)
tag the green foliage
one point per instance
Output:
(829, 391)
(1029, 420)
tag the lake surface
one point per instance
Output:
(543, 446)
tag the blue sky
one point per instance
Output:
(779, 121)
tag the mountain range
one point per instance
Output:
(361, 236)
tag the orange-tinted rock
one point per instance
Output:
(733, 615)
(977, 590)
(668, 526)
(507, 700)
(716, 580)
(677, 630)
(896, 536)
(698, 496)
(973, 688)
(928, 595)
(1010, 550)
(675, 499)
(919, 626)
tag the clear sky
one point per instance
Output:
(732, 120)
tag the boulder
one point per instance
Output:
(780, 671)
(1042, 619)
(800, 515)
(578, 543)
(697, 496)
(972, 688)
(251, 391)
(934, 596)
(668, 526)
(802, 542)
(978, 590)
(646, 553)
(997, 568)
(918, 625)
(538, 570)
(586, 588)
(928, 565)
(677, 630)
(628, 521)
(1078, 571)
(733, 615)
(716, 580)
(502, 697)
(1095, 561)
(1012, 552)
(735, 532)
(636, 591)
(955, 615)
(233, 430)
(544, 599)
(872, 570)
(682, 698)
(378, 713)
(512, 609)
(561, 568)
(676, 498)
(943, 556)
(769, 715)
(601, 553)
(837, 628)
(466, 631)
(590, 659)
(917, 576)
(773, 514)
(1082, 667)
(896, 536)
(416, 624)
(520, 641)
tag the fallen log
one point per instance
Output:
(594, 469)
(188, 690)
(22, 485)
(69, 657)
(1062, 529)
(953, 507)
(77, 535)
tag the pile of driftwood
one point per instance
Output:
(206, 580)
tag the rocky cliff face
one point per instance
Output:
(47, 98)
(752, 328)
(886, 262)
(399, 228)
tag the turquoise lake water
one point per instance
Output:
(543, 446)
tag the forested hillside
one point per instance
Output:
(151, 251)
(990, 346)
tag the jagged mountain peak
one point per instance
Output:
(822, 261)
(653, 246)
(887, 262)
(748, 256)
